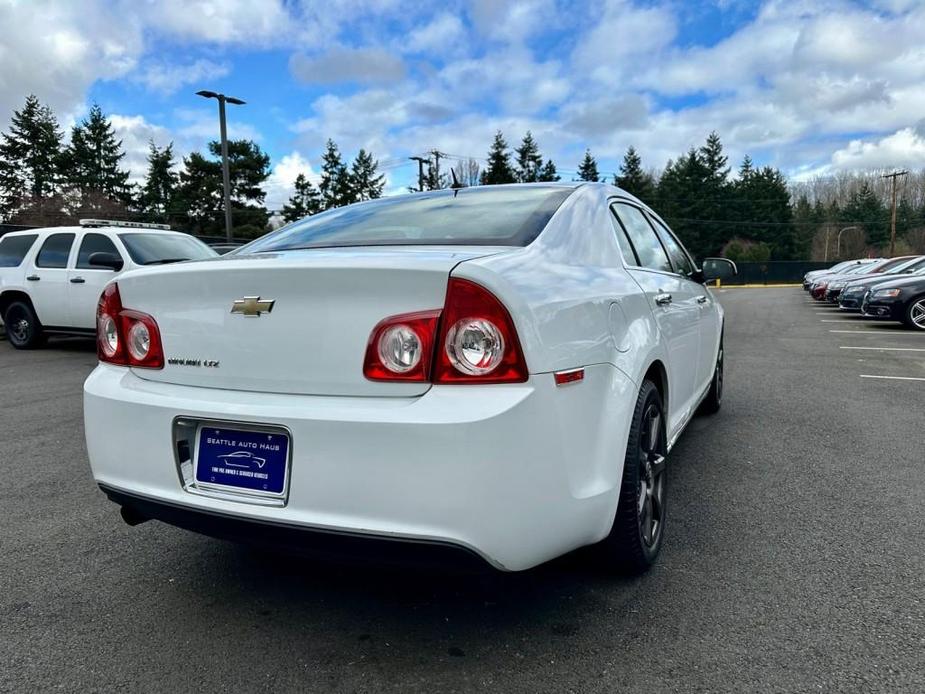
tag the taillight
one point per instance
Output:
(401, 347)
(124, 336)
(478, 341)
(472, 340)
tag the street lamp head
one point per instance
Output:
(207, 94)
(234, 100)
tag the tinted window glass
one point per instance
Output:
(156, 248)
(94, 243)
(629, 255)
(648, 248)
(14, 248)
(480, 216)
(680, 261)
(55, 251)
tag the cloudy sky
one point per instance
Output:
(808, 86)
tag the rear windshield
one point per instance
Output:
(480, 216)
(156, 248)
(14, 248)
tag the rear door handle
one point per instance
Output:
(77, 280)
(702, 299)
(663, 299)
(33, 278)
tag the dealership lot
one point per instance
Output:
(795, 558)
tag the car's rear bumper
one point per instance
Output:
(517, 474)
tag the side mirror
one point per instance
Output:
(107, 260)
(718, 269)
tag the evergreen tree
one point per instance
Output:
(763, 208)
(587, 170)
(529, 161)
(548, 172)
(865, 209)
(366, 181)
(93, 157)
(499, 164)
(633, 179)
(682, 204)
(305, 201)
(160, 186)
(335, 186)
(714, 160)
(30, 156)
(201, 189)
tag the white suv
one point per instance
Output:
(51, 279)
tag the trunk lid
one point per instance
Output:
(313, 340)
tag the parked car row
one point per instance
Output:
(884, 288)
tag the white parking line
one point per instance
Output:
(888, 349)
(893, 378)
(869, 331)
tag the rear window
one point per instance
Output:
(55, 251)
(480, 216)
(14, 248)
(157, 248)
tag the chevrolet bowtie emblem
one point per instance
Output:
(252, 306)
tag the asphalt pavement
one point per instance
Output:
(794, 557)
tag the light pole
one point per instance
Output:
(838, 240)
(226, 178)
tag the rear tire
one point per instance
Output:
(635, 538)
(915, 314)
(714, 399)
(22, 326)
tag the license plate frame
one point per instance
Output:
(276, 463)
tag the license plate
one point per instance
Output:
(243, 459)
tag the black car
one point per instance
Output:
(836, 284)
(902, 299)
(851, 296)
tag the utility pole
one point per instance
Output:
(421, 161)
(437, 154)
(893, 176)
(226, 182)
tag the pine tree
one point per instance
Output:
(93, 157)
(305, 201)
(587, 170)
(160, 186)
(30, 156)
(865, 209)
(713, 158)
(548, 172)
(366, 181)
(529, 161)
(633, 179)
(499, 164)
(201, 189)
(335, 186)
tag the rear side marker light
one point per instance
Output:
(124, 336)
(565, 377)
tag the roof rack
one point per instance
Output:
(129, 225)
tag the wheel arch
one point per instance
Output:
(657, 373)
(12, 295)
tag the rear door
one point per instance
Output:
(709, 318)
(47, 280)
(674, 304)
(86, 282)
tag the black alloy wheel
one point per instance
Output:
(23, 329)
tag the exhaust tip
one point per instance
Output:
(131, 516)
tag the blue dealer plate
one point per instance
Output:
(251, 460)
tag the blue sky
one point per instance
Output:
(811, 87)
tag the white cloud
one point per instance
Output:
(904, 148)
(339, 64)
(136, 134)
(168, 78)
(443, 33)
(218, 21)
(280, 185)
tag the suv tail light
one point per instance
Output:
(472, 340)
(124, 336)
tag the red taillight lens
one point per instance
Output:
(478, 342)
(401, 347)
(124, 336)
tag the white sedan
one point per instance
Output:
(498, 369)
